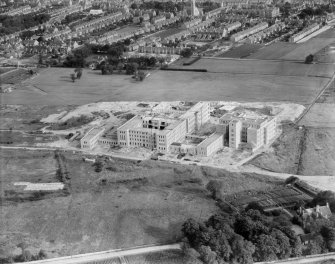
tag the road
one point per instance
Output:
(322, 182)
(303, 260)
(106, 255)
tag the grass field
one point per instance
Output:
(258, 67)
(308, 151)
(126, 205)
(294, 51)
(242, 51)
(238, 82)
(274, 51)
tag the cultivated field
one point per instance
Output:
(248, 83)
(127, 204)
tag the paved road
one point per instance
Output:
(105, 255)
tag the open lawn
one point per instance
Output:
(311, 46)
(309, 151)
(125, 205)
(242, 51)
(274, 51)
(294, 51)
(242, 81)
(259, 67)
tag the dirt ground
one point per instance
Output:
(127, 204)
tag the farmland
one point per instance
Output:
(127, 204)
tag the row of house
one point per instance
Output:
(26, 9)
(99, 22)
(159, 50)
(266, 32)
(305, 32)
(245, 33)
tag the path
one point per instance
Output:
(106, 255)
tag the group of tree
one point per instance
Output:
(320, 10)
(309, 59)
(11, 24)
(186, 53)
(72, 17)
(78, 72)
(209, 6)
(129, 66)
(25, 255)
(241, 238)
(254, 235)
(161, 6)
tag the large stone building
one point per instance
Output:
(247, 127)
(159, 132)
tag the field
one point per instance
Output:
(307, 151)
(274, 51)
(229, 81)
(294, 51)
(258, 67)
(127, 204)
(286, 196)
(242, 51)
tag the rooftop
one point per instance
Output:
(92, 133)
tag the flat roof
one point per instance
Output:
(210, 140)
(92, 133)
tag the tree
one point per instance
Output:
(254, 206)
(267, 248)
(134, 6)
(242, 250)
(309, 59)
(214, 187)
(207, 255)
(291, 180)
(328, 234)
(324, 197)
(73, 77)
(284, 247)
(26, 256)
(131, 68)
(161, 60)
(78, 72)
(186, 53)
(315, 246)
(42, 254)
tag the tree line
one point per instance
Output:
(254, 235)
